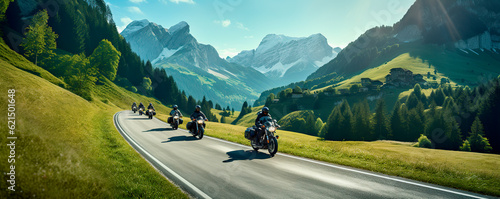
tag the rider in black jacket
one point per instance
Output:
(197, 113)
(142, 106)
(259, 123)
(150, 106)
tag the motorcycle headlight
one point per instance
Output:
(200, 121)
(272, 128)
(176, 117)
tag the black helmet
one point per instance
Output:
(265, 110)
(175, 107)
(150, 104)
(198, 107)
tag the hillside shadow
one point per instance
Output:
(158, 129)
(245, 155)
(180, 139)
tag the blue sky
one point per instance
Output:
(235, 25)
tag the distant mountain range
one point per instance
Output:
(197, 68)
(287, 59)
(464, 24)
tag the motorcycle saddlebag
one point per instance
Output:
(250, 133)
(170, 120)
(180, 121)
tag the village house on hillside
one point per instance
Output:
(369, 84)
(399, 77)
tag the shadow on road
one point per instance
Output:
(138, 118)
(245, 155)
(180, 138)
(158, 129)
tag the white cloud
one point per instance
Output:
(137, 1)
(224, 23)
(231, 52)
(125, 21)
(182, 1)
(241, 26)
(248, 37)
(134, 9)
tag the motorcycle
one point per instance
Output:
(269, 140)
(150, 113)
(141, 111)
(175, 122)
(134, 108)
(199, 130)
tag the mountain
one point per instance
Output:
(287, 59)
(197, 68)
(454, 25)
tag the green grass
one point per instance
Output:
(476, 172)
(229, 119)
(68, 147)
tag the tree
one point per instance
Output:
(318, 125)
(39, 38)
(354, 89)
(397, 129)
(478, 143)
(361, 127)
(146, 84)
(346, 124)
(82, 77)
(297, 89)
(332, 128)
(380, 128)
(415, 125)
(106, 58)
(4, 4)
(223, 119)
(232, 111)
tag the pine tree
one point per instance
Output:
(396, 124)
(380, 126)
(478, 143)
(346, 129)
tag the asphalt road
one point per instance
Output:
(214, 168)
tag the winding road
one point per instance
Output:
(214, 168)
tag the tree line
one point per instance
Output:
(451, 118)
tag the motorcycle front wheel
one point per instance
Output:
(272, 147)
(200, 134)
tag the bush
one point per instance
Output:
(465, 146)
(424, 142)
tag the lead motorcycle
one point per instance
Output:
(134, 108)
(150, 112)
(199, 129)
(268, 140)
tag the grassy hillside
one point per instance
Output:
(229, 119)
(249, 119)
(474, 172)
(68, 147)
(464, 68)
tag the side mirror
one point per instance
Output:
(274, 120)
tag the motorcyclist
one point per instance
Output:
(150, 106)
(174, 111)
(134, 105)
(197, 113)
(141, 106)
(259, 122)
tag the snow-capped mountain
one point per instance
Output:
(197, 68)
(289, 59)
(150, 40)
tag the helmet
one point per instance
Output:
(175, 107)
(265, 110)
(198, 107)
(150, 104)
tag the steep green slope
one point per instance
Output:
(68, 147)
